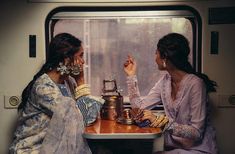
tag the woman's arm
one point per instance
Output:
(147, 102)
(185, 135)
(130, 67)
(90, 107)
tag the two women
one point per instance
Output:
(50, 121)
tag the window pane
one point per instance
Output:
(107, 42)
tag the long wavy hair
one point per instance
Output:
(62, 46)
(175, 47)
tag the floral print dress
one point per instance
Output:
(50, 123)
(187, 113)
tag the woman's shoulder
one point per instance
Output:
(44, 79)
(194, 80)
(44, 83)
(189, 78)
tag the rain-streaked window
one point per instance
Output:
(108, 40)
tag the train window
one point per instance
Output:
(109, 36)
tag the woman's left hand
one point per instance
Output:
(156, 121)
(147, 114)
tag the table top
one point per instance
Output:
(110, 129)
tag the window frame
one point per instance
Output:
(194, 18)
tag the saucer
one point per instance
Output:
(125, 121)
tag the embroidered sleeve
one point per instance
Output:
(184, 131)
(184, 135)
(133, 91)
(136, 100)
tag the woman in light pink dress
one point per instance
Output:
(184, 94)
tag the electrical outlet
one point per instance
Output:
(11, 102)
(226, 101)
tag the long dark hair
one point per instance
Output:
(175, 47)
(62, 46)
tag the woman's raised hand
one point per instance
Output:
(77, 66)
(130, 66)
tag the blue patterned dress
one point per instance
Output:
(52, 121)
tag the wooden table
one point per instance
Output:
(110, 137)
(108, 129)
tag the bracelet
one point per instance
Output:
(82, 90)
(152, 124)
(168, 127)
(81, 87)
(82, 93)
